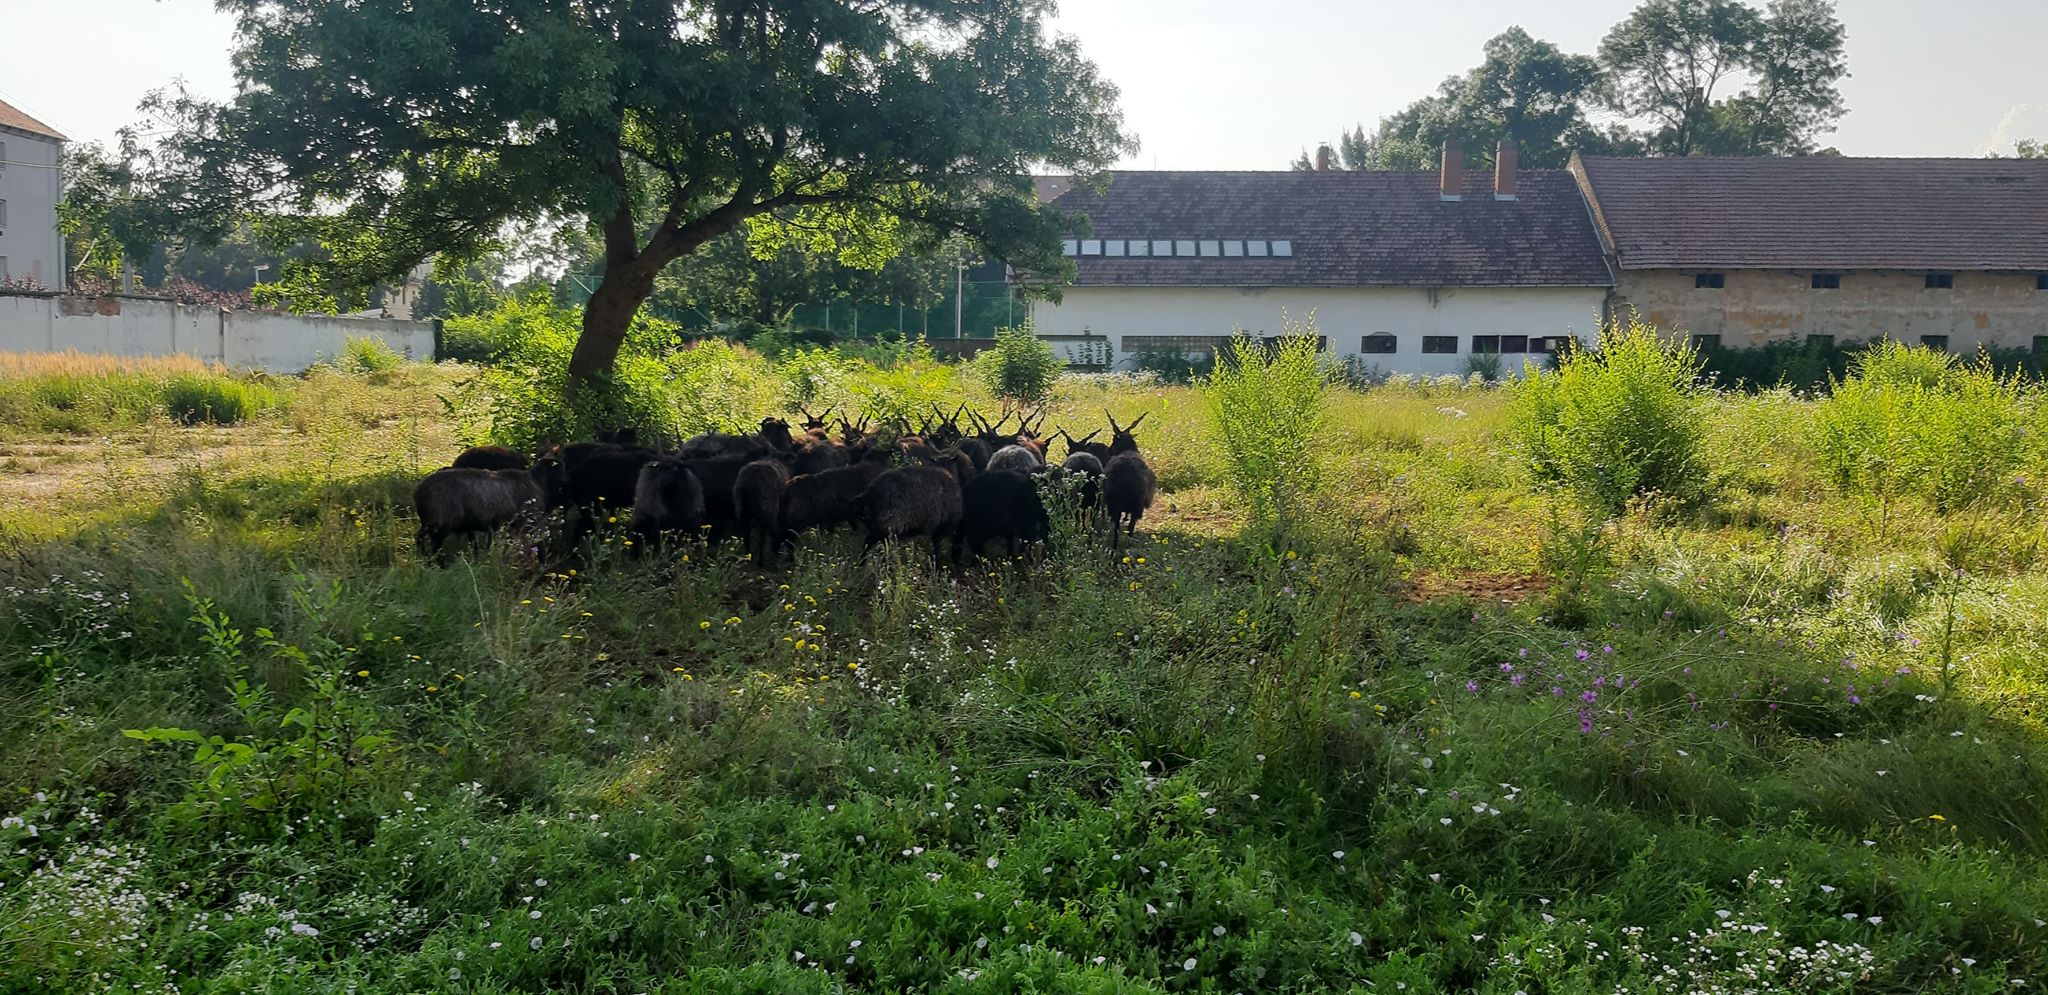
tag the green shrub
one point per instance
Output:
(1616, 422)
(369, 355)
(193, 398)
(1176, 366)
(1022, 367)
(1805, 366)
(1266, 410)
(1915, 421)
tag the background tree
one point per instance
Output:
(407, 130)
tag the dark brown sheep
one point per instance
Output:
(909, 502)
(827, 499)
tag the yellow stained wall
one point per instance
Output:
(2003, 310)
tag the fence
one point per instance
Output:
(141, 326)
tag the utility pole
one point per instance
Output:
(959, 298)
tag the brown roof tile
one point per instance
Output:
(1822, 212)
(1348, 229)
(17, 119)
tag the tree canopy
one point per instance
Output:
(1657, 87)
(400, 130)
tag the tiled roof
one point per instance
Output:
(13, 117)
(1822, 212)
(1347, 229)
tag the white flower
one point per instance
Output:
(991, 862)
(533, 944)
(1446, 820)
(1357, 938)
(301, 929)
(854, 945)
(540, 882)
(632, 857)
(11, 822)
(535, 914)
(1338, 854)
(1827, 889)
(1188, 965)
(1219, 931)
(1874, 920)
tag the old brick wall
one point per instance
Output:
(2003, 310)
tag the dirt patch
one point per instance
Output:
(1479, 585)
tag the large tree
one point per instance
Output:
(1666, 62)
(408, 129)
(1525, 89)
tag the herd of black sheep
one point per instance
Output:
(937, 481)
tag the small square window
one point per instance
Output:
(1139, 247)
(1233, 247)
(1113, 247)
(1709, 281)
(1184, 247)
(1162, 247)
(1257, 247)
(1091, 247)
(1211, 247)
(1938, 343)
(1440, 344)
(1283, 247)
(1706, 343)
(1483, 344)
(1941, 281)
(1070, 248)
(2041, 281)
(1514, 343)
(1378, 345)
(1827, 281)
(1820, 342)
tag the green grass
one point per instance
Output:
(1813, 754)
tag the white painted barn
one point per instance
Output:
(1413, 271)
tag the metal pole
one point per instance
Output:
(959, 299)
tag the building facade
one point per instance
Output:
(1947, 253)
(1410, 272)
(31, 185)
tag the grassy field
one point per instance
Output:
(1450, 731)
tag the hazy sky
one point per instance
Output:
(1220, 83)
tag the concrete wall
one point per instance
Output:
(1758, 306)
(250, 340)
(1343, 315)
(31, 184)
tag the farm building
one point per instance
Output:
(31, 250)
(1414, 272)
(1949, 253)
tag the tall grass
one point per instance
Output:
(1913, 421)
(1266, 412)
(81, 394)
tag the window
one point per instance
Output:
(1378, 345)
(1820, 342)
(3, 214)
(1938, 343)
(1827, 281)
(1177, 343)
(1211, 247)
(1709, 281)
(1443, 344)
(1257, 247)
(1941, 281)
(1183, 247)
(1113, 247)
(1233, 247)
(1283, 247)
(2041, 281)
(1140, 247)
(1485, 343)
(1091, 247)
(1514, 343)
(3, 267)
(1704, 343)
(1070, 248)
(1162, 247)
(3, 157)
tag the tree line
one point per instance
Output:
(1659, 85)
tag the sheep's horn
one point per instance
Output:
(1113, 426)
(1091, 435)
(1132, 427)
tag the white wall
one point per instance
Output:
(31, 184)
(1344, 315)
(249, 340)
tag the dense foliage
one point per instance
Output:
(1021, 367)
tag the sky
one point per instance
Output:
(1219, 84)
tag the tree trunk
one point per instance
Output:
(606, 318)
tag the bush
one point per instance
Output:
(1022, 367)
(1915, 421)
(1175, 366)
(193, 398)
(368, 355)
(1266, 410)
(1617, 422)
(1806, 366)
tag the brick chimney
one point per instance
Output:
(1323, 158)
(1453, 181)
(1505, 161)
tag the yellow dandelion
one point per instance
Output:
(1938, 818)
(611, 519)
(1355, 694)
(706, 624)
(362, 673)
(732, 620)
(432, 688)
(853, 666)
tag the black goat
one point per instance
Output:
(667, 499)
(1121, 439)
(490, 458)
(827, 499)
(1001, 504)
(1128, 487)
(470, 503)
(909, 502)
(757, 506)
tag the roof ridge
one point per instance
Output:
(20, 120)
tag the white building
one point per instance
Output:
(31, 184)
(1414, 272)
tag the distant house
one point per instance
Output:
(31, 184)
(1949, 253)
(1414, 272)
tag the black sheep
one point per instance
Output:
(827, 499)
(718, 477)
(470, 503)
(909, 502)
(667, 499)
(490, 458)
(976, 450)
(1128, 487)
(1001, 504)
(757, 506)
(817, 456)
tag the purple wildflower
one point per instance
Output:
(1585, 722)
(1516, 680)
(1854, 700)
(1472, 686)
(1590, 696)
(1583, 655)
